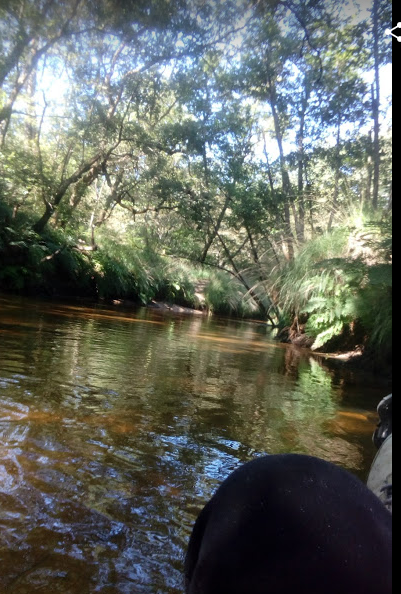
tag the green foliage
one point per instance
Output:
(374, 306)
(335, 293)
(331, 304)
(306, 277)
(13, 278)
(5, 213)
(177, 281)
(225, 295)
(113, 279)
(151, 128)
(220, 297)
(42, 264)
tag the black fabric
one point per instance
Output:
(291, 524)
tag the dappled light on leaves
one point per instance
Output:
(205, 154)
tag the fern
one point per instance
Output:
(334, 286)
(328, 334)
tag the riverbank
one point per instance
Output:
(45, 267)
(351, 316)
(51, 267)
(170, 307)
(357, 358)
(343, 359)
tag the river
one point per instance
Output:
(116, 425)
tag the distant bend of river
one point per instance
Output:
(117, 425)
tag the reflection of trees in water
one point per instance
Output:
(116, 432)
(277, 416)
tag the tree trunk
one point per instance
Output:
(390, 198)
(369, 172)
(376, 107)
(289, 239)
(44, 219)
(51, 206)
(215, 230)
(336, 178)
(264, 310)
(301, 164)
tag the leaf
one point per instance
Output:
(20, 244)
(326, 335)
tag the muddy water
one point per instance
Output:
(117, 425)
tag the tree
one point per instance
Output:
(380, 17)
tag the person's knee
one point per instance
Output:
(290, 523)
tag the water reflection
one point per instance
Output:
(116, 426)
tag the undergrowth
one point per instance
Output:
(341, 284)
(54, 264)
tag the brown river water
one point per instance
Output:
(117, 425)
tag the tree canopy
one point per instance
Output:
(230, 134)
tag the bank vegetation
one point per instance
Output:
(230, 156)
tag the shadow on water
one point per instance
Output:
(116, 427)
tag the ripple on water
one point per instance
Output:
(115, 432)
(12, 411)
(10, 472)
